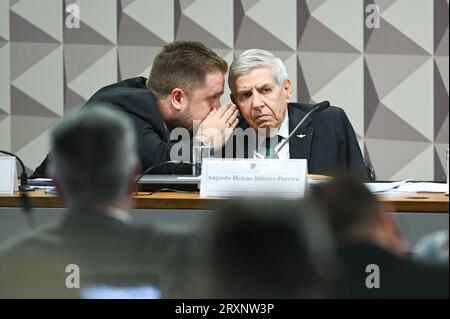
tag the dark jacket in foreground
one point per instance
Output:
(399, 277)
(107, 251)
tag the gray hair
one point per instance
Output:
(94, 154)
(254, 59)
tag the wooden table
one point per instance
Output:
(419, 202)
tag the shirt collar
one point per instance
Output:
(283, 131)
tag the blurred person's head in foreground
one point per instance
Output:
(81, 142)
(356, 215)
(265, 249)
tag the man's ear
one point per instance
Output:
(177, 97)
(232, 98)
(288, 89)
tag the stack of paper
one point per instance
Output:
(407, 186)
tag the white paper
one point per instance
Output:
(253, 177)
(385, 187)
(8, 175)
(422, 188)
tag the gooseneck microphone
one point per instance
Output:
(23, 187)
(316, 108)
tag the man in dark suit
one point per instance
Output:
(372, 249)
(181, 95)
(97, 235)
(261, 89)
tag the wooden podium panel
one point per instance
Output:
(418, 202)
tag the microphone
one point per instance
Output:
(319, 107)
(23, 187)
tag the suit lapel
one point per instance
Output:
(300, 143)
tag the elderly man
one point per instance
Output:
(185, 85)
(261, 89)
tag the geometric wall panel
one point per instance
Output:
(328, 65)
(189, 29)
(251, 30)
(49, 93)
(291, 69)
(347, 24)
(442, 69)
(44, 15)
(5, 128)
(441, 89)
(418, 167)
(413, 93)
(418, 10)
(101, 73)
(387, 125)
(26, 31)
(39, 144)
(24, 104)
(35, 126)
(4, 21)
(347, 90)
(5, 101)
(135, 60)
(393, 82)
(80, 57)
(440, 161)
(101, 18)
(316, 37)
(134, 33)
(263, 12)
(27, 54)
(389, 157)
(388, 71)
(159, 21)
(193, 22)
(389, 40)
(200, 11)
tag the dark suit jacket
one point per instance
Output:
(107, 251)
(399, 277)
(132, 97)
(328, 143)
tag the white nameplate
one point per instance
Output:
(8, 175)
(253, 177)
